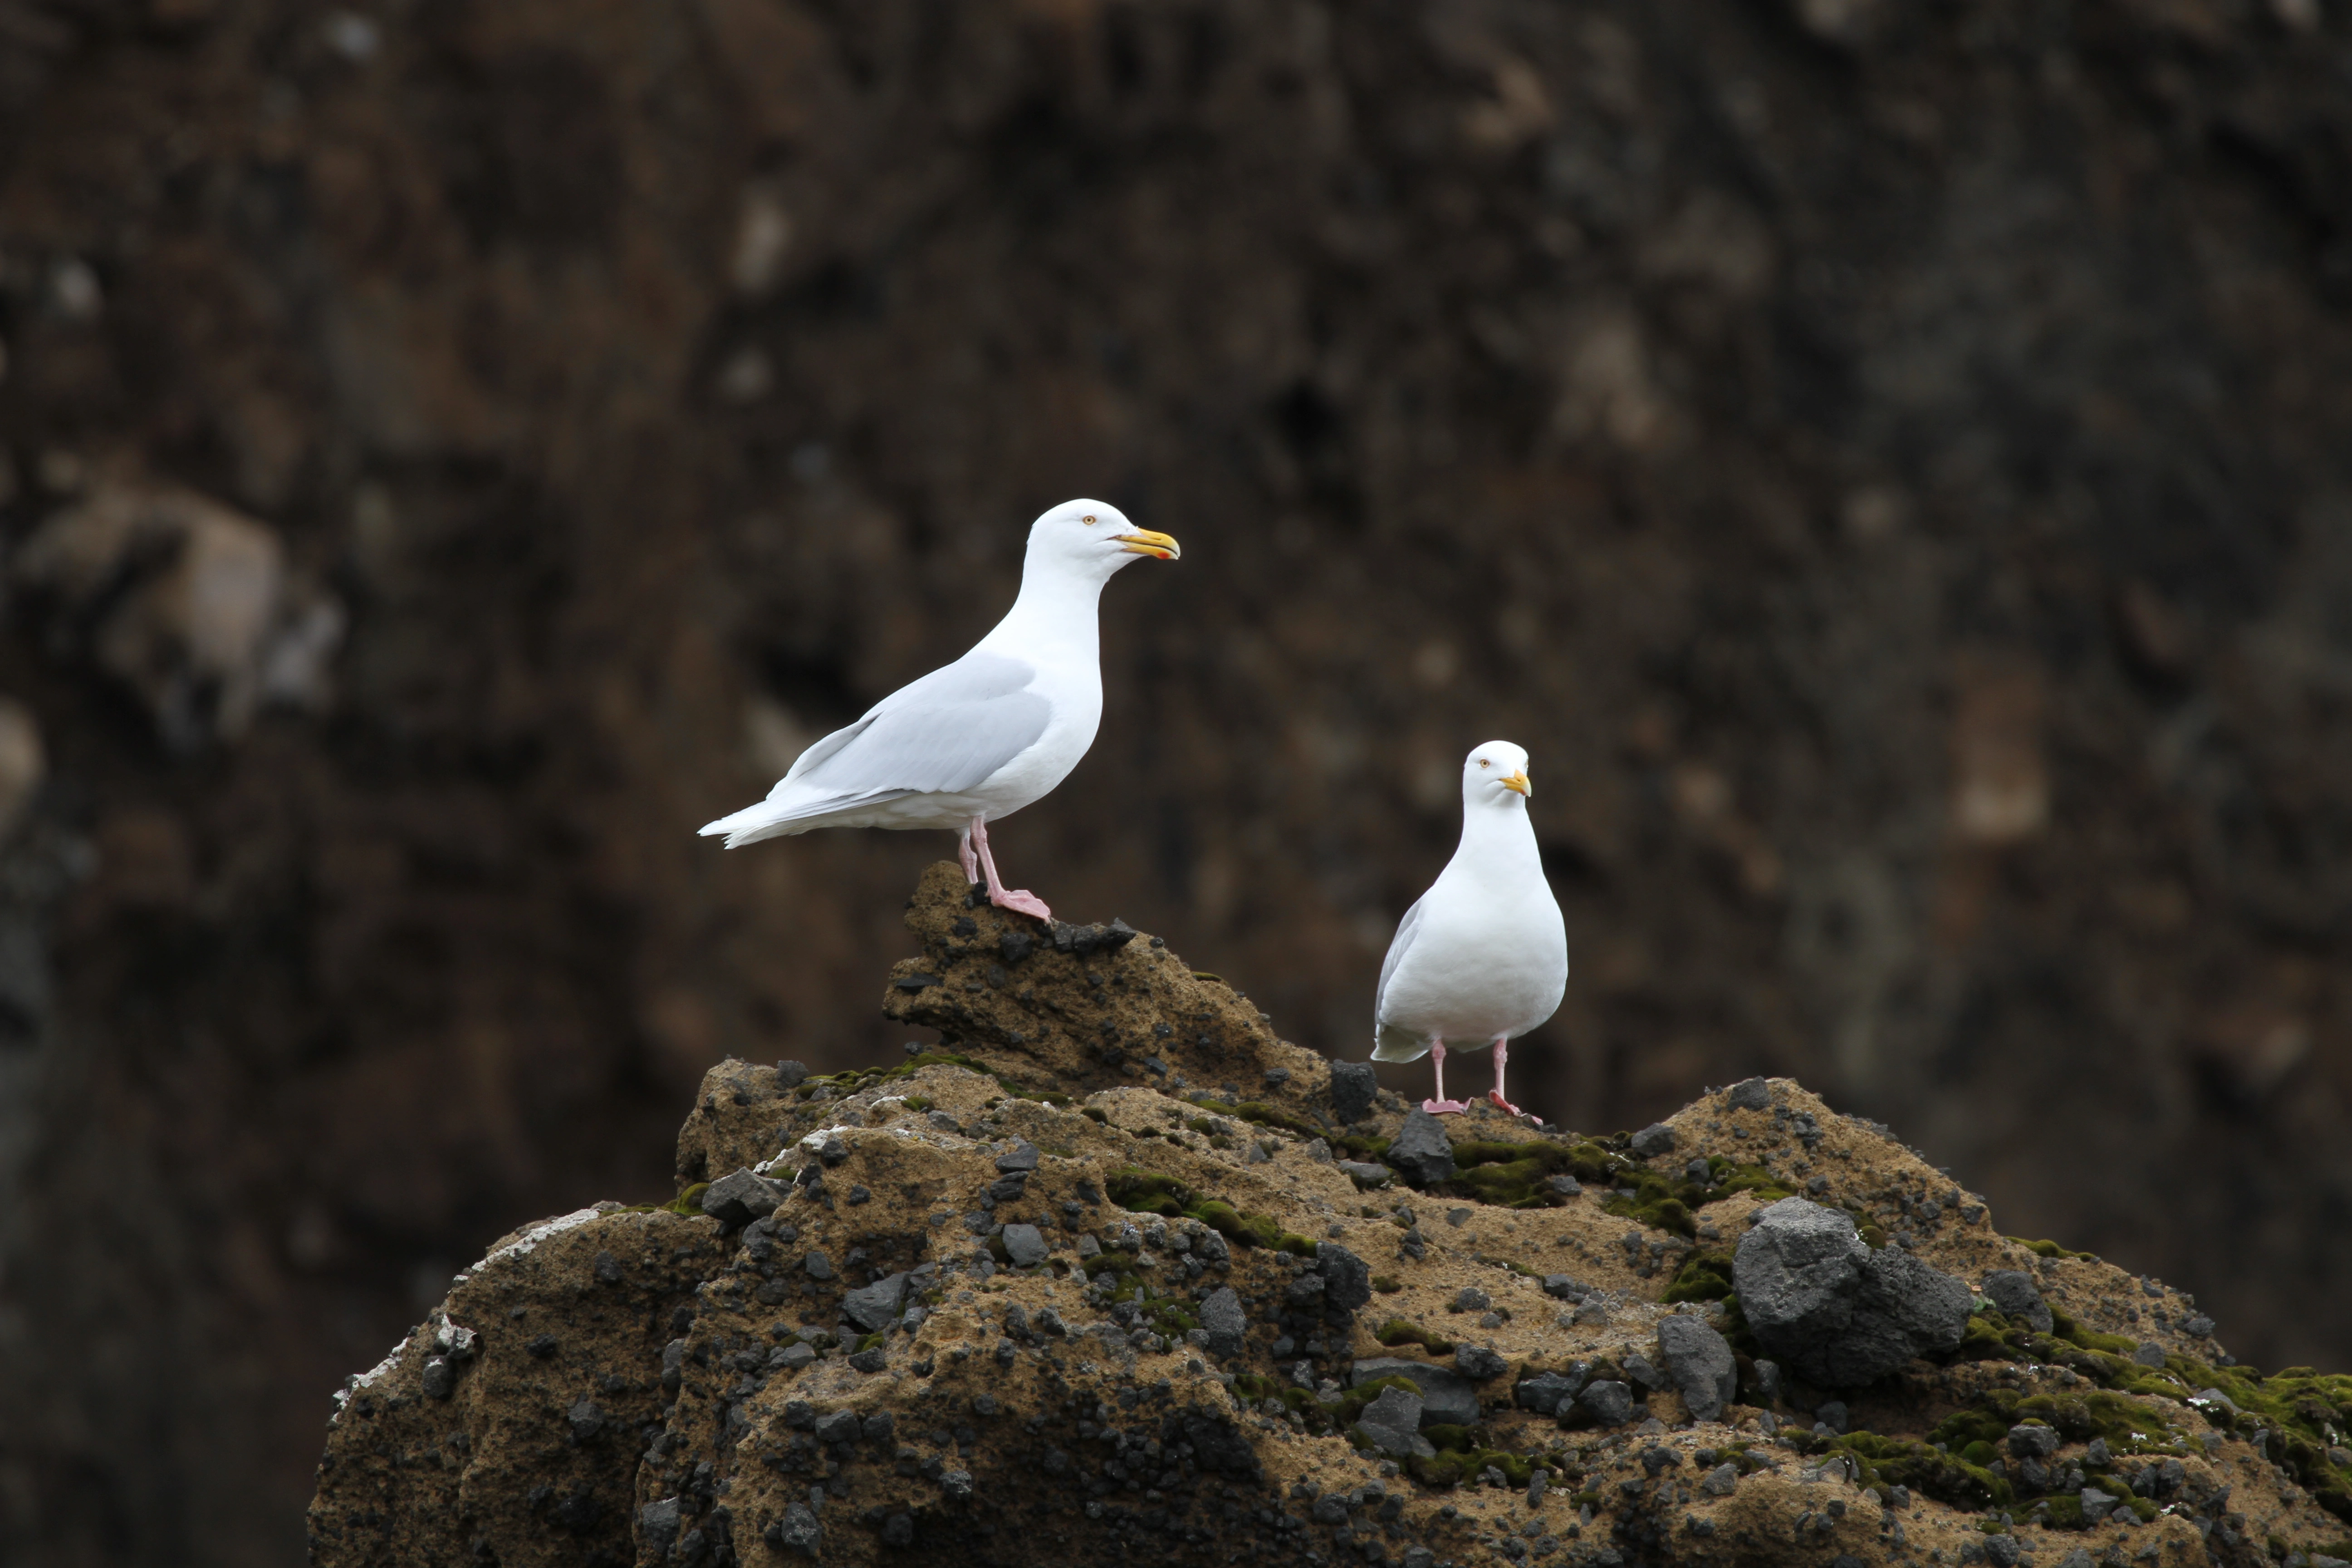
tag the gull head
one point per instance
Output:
(1091, 540)
(1496, 775)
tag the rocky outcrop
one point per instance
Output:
(1090, 1279)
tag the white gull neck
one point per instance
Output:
(1499, 833)
(1055, 618)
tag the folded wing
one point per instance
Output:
(945, 734)
(1390, 1044)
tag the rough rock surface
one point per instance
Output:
(1226, 1350)
(1834, 1309)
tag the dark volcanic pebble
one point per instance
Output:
(1422, 1150)
(1353, 1086)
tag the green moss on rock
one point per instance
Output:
(1264, 1115)
(1140, 1190)
(1398, 1332)
(1667, 1202)
(1463, 1453)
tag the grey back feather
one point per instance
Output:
(943, 735)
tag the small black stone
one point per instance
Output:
(1421, 1150)
(1655, 1139)
(1353, 1086)
(790, 1074)
(1478, 1363)
(2033, 1441)
(2013, 1291)
(543, 1347)
(1610, 1402)
(607, 1269)
(1751, 1094)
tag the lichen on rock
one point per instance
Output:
(1059, 1289)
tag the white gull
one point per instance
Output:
(974, 742)
(1482, 957)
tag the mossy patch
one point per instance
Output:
(2077, 1417)
(1146, 1192)
(856, 1080)
(1961, 1479)
(1959, 1462)
(1704, 1276)
(2048, 1248)
(1667, 1202)
(1264, 1115)
(1170, 1316)
(2060, 1511)
(1321, 1418)
(2306, 1413)
(1387, 1284)
(1464, 1453)
(690, 1201)
(1398, 1332)
(1515, 1174)
(1707, 1277)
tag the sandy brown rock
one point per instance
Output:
(1079, 1008)
(962, 1336)
(530, 1454)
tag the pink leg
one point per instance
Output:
(1441, 1106)
(1502, 1055)
(964, 853)
(1019, 901)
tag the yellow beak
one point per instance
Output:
(1143, 542)
(1518, 782)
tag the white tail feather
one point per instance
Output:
(753, 823)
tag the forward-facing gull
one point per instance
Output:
(1482, 957)
(976, 741)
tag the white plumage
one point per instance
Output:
(974, 742)
(1482, 957)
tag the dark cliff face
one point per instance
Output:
(1888, 465)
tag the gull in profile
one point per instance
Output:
(974, 742)
(1483, 956)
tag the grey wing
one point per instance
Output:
(1406, 928)
(946, 734)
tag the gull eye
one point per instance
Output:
(1485, 763)
(1090, 519)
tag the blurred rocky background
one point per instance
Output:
(1891, 464)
